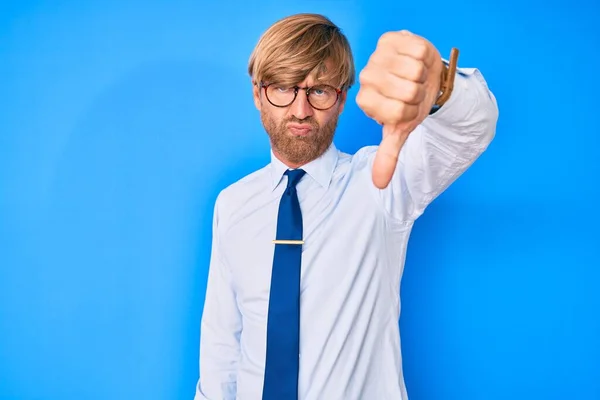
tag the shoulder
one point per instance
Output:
(361, 160)
(236, 195)
(365, 154)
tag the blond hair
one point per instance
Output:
(301, 44)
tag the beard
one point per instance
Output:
(299, 150)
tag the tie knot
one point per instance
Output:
(294, 176)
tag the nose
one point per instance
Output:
(301, 108)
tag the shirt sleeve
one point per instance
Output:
(220, 329)
(439, 150)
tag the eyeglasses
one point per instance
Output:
(320, 97)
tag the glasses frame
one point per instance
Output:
(307, 89)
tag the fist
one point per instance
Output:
(398, 87)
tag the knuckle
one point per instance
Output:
(419, 71)
(399, 110)
(413, 112)
(368, 106)
(385, 39)
(412, 91)
(409, 92)
(364, 100)
(364, 76)
(360, 97)
(420, 50)
(380, 58)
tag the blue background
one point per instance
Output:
(120, 121)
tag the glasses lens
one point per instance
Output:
(280, 95)
(322, 96)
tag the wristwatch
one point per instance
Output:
(446, 81)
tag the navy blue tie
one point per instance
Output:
(283, 325)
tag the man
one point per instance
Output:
(308, 252)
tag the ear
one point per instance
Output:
(342, 100)
(256, 94)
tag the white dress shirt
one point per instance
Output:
(352, 261)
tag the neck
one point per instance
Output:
(288, 163)
(294, 165)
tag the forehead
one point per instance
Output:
(320, 75)
(310, 80)
(313, 81)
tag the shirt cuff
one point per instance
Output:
(462, 99)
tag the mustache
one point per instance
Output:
(308, 120)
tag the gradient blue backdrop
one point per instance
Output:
(120, 121)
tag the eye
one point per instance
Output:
(323, 91)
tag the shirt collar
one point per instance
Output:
(320, 169)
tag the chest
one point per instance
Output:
(342, 232)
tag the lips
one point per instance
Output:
(300, 130)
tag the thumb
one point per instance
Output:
(387, 155)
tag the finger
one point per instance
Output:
(401, 65)
(387, 156)
(385, 110)
(393, 87)
(388, 111)
(409, 68)
(409, 44)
